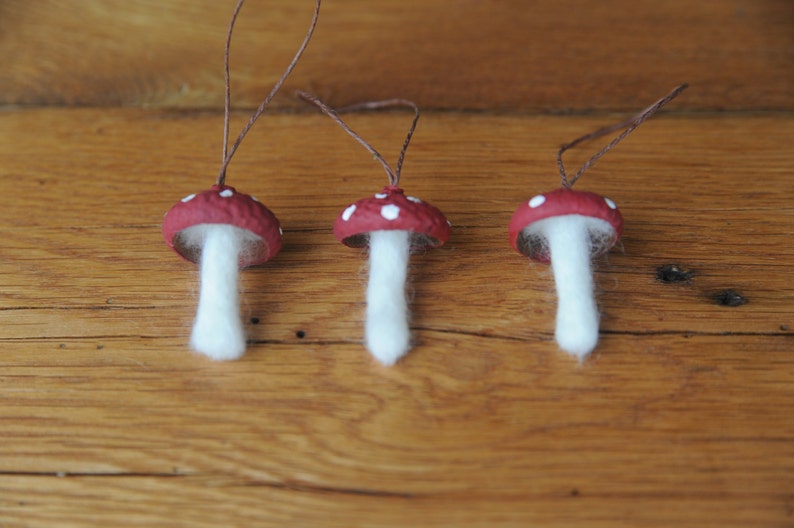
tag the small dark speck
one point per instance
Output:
(670, 273)
(300, 334)
(574, 492)
(109, 301)
(730, 298)
(784, 328)
(100, 347)
(62, 345)
(255, 320)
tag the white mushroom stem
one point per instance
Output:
(218, 329)
(570, 243)
(387, 334)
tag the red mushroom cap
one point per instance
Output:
(388, 210)
(557, 203)
(222, 204)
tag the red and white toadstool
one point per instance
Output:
(392, 225)
(224, 230)
(568, 228)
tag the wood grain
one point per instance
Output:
(549, 55)
(682, 417)
(108, 417)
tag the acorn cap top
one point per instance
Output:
(391, 209)
(222, 204)
(561, 202)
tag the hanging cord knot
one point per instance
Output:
(393, 175)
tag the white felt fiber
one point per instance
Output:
(387, 334)
(218, 329)
(570, 239)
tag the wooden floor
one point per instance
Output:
(684, 415)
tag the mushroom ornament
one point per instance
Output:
(392, 225)
(568, 228)
(224, 230)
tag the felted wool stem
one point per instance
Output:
(387, 334)
(568, 238)
(218, 329)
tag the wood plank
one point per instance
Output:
(669, 431)
(117, 500)
(549, 56)
(98, 245)
(681, 418)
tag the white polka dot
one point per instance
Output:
(188, 198)
(610, 203)
(537, 201)
(390, 212)
(280, 231)
(414, 199)
(449, 223)
(348, 212)
(254, 198)
(227, 193)
(381, 196)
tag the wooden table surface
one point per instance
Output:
(684, 415)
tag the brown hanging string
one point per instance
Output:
(228, 153)
(631, 123)
(394, 176)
